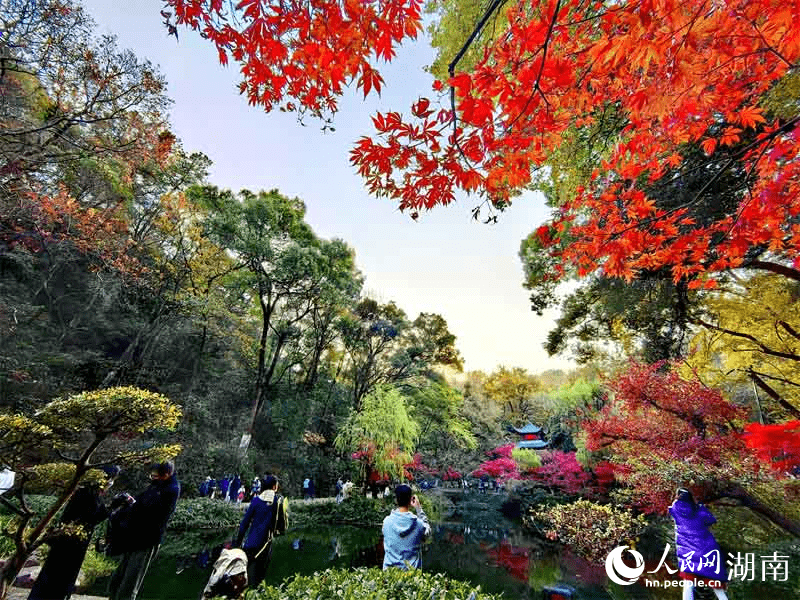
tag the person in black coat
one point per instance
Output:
(139, 529)
(56, 580)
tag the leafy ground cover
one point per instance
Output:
(203, 513)
(352, 584)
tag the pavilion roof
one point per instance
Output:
(528, 428)
(533, 444)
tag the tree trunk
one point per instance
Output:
(9, 572)
(758, 507)
(773, 394)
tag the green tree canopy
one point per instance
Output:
(382, 434)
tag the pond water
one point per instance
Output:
(493, 553)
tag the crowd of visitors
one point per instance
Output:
(136, 526)
(232, 488)
(229, 488)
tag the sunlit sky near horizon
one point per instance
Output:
(444, 263)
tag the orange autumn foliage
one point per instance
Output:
(681, 73)
(305, 50)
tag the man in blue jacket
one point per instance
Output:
(141, 527)
(404, 531)
(265, 518)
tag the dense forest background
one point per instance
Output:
(121, 264)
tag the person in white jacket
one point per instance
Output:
(404, 531)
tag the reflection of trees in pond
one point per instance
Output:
(499, 560)
(457, 553)
(514, 559)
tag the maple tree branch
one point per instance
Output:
(761, 345)
(770, 47)
(773, 394)
(451, 68)
(773, 377)
(739, 154)
(536, 84)
(772, 267)
(492, 8)
(689, 26)
(744, 203)
(594, 17)
(789, 329)
(693, 420)
(626, 437)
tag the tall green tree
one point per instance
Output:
(286, 271)
(382, 435)
(647, 319)
(749, 337)
(383, 347)
(437, 408)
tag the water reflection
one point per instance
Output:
(498, 559)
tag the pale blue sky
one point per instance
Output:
(445, 263)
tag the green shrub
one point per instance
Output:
(95, 566)
(6, 543)
(39, 504)
(356, 510)
(363, 584)
(526, 459)
(591, 530)
(204, 513)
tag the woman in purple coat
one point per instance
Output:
(699, 556)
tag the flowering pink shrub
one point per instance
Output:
(416, 468)
(604, 473)
(501, 451)
(451, 474)
(500, 466)
(562, 471)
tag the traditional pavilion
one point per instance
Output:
(531, 437)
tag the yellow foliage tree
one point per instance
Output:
(751, 336)
(513, 390)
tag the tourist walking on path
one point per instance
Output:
(404, 531)
(265, 518)
(224, 483)
(255, 487)
(56, 580)
(233, 492)
(699, 556)
(339, 494)
(141, 528)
